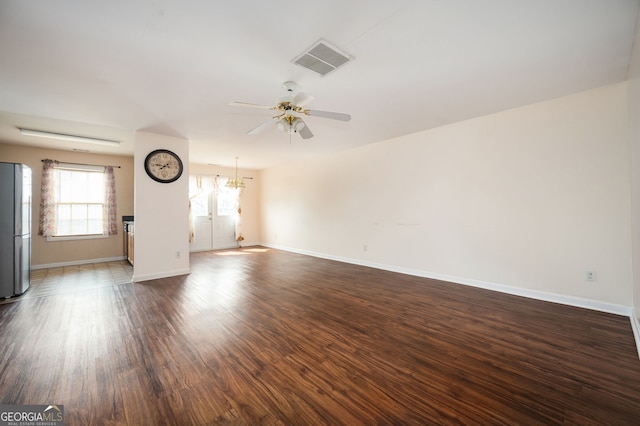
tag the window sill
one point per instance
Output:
(76, 237)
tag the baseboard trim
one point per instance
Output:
(246, 244)
(516, 291)
(241, 246)
(77, 262)
(166, 274)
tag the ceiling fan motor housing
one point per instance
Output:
(290, 86)
(287, 99)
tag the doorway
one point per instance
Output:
(213, 213)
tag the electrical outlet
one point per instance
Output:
(365, 248)
(590, 276)
(178, 254)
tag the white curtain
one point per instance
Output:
(220, 188)
(47, 223)
(192, 229)
(109, 207)
(239, 237)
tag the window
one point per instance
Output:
(200, 204)
(226, 200)
(78, 201)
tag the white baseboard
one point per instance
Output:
(243, 245)
(516, 291)
(249, 244)
(77, 262)
(166, 274)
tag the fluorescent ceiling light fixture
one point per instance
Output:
(72, 138)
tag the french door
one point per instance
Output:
(213, 214)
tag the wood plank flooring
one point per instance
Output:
(261, 336)
(71, 279)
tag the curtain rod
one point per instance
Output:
(81, 164)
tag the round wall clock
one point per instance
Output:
(163, 166)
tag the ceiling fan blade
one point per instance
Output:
(246, 104)
(328, 114)
(302, 99)
(305, 132)
(262, 126)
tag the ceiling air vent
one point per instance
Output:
(322, 58)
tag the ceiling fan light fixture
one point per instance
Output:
(297, 124)
(290, 124)
(282, 124)
(290, 108)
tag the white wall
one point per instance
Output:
(161, 213)
(634, 127)
(528, 199)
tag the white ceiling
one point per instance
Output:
(108, 68)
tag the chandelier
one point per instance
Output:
(236, 182)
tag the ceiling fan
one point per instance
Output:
(290, 107)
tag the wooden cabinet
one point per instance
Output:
(130, 236)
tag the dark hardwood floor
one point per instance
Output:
(261, 336)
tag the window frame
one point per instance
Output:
(87, 169)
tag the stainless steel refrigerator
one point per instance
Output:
(15, 229)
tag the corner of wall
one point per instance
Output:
(635, 325)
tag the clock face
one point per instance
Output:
(163, 166)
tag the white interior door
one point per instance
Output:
(213, 214)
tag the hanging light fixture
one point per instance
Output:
(290, 124)
(236, 182)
